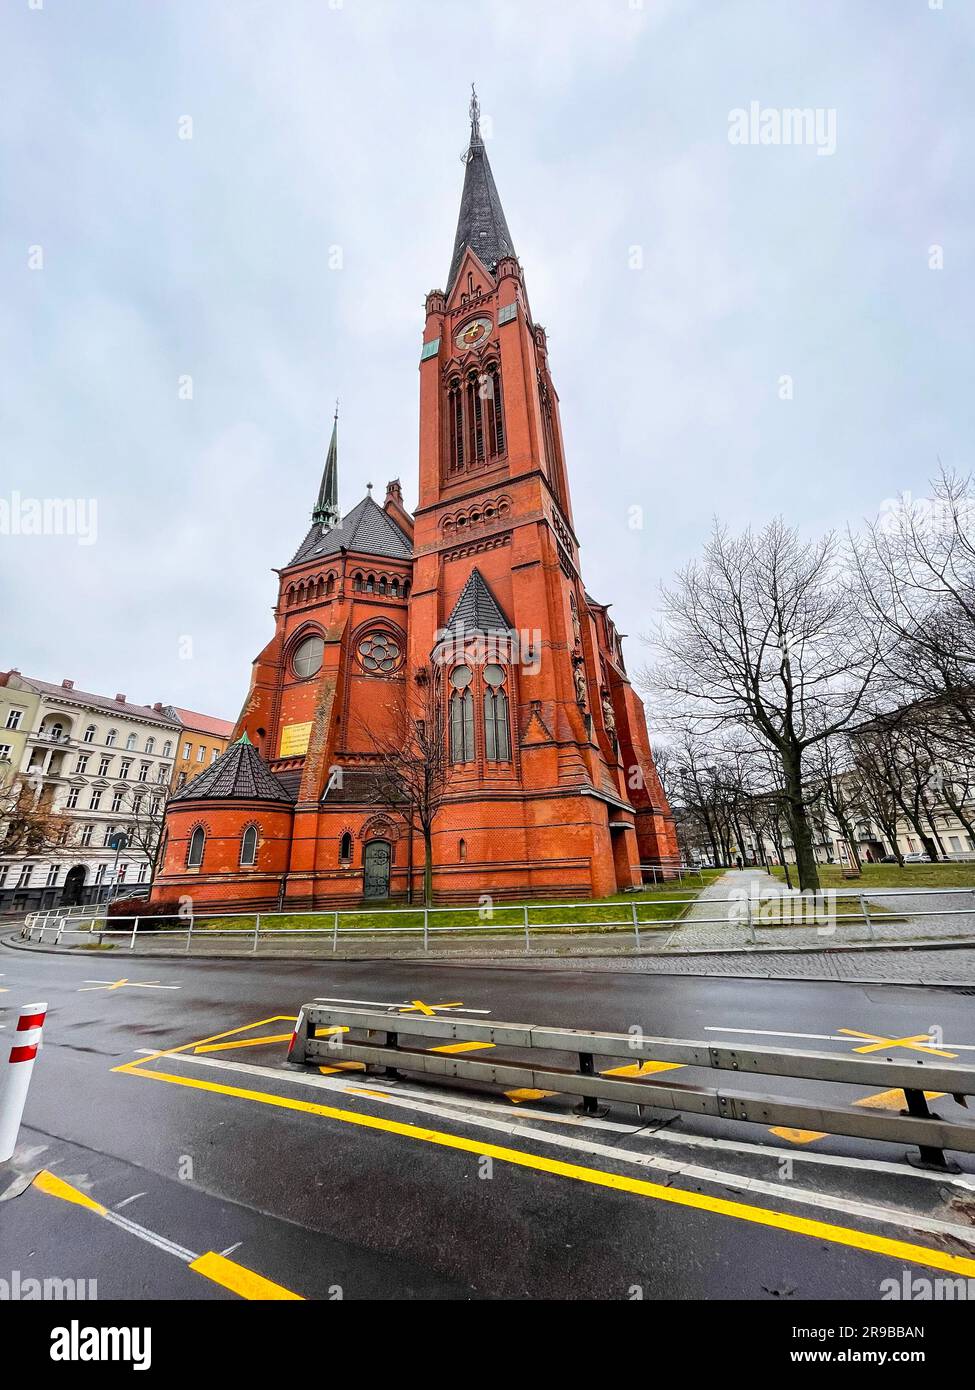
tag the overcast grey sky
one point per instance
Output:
(318, 125)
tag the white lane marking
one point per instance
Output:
(766, 1151)
(134, 1198)
(160, 1242)
(231, 1248)
(818, 1037)
(890, 1216)
(392, 1004)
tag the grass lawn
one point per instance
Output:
(945, 875)
(665, 901)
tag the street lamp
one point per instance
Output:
(118, 842)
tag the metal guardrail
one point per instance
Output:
(634, 920)
(374, 1037)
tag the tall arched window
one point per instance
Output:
(90, 734)
(462, 850)
(345, 848)
(110, 738)
(455, 426)
(494, 409)
(497, 739)
(248, 846)
(150, 745)
(461, 716)
(130, 742)
(197, 843)
(168, 749)
(475, 418)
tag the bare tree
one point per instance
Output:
(767, 633)
(144, 809)
(410, 767)
(28, 822)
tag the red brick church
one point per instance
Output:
(469, 616)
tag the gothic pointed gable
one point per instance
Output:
(366, 529)
(239, 774)
(477, 610)
(481, 224)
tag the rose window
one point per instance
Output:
(378, 651)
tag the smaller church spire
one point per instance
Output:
(475, 109)
(326, 512)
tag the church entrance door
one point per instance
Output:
(376, 865)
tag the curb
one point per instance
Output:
(501, 963)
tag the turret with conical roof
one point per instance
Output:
(481, 224)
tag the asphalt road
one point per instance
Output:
(218, 1172)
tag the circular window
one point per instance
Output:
(460, 677)
(494, 675)
(308, 656)
(379, 651)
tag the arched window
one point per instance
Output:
(370, 584)
(345, 848)
(248, 846)
(330, 584)
(497, 740)
(455, 426)
(382, 584)
(406, 587)
(394, 588)
(357, 582)
(110, 738)
(90, 734)
(197, 843)
(461, 716)
(167, 749)
(462, 850)
(475, 419)
(130, 742)
(55, 731)
(150, 745)
(494, 409)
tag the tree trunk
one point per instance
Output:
(427, 867)
(802, 839)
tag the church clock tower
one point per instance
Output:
(575, 800)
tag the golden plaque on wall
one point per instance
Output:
(294, 740)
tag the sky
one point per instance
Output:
(221, 215)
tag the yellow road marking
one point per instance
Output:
(57, 1187)
(342, 1066)
(240, 1280)
(528, 1093)
(245, 1042)
(642, 1068)
(463, 1047)
(877, 1043)
(428, 1010)
(214, 1037)
(596, 1177)
(881, 1100)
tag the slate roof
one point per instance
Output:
(477, 610)
(239, 774)
(481, 224)
(104, 702)
(367, 528)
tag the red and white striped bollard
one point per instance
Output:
(14, 1084)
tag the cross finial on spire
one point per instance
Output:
(475, 109)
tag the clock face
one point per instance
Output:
(474, 332)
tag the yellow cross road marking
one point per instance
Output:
(91, 985)
(463, 1047)
(903, 1251)
(199, 1042)
(528, 1093)
(417, 1006)
(877, 1043)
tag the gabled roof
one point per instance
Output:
(367, 528)
(477, 610)
(239, 774)
(481, 224)
(201, 723)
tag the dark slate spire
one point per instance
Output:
(239, 774)
(326, 512)
(481, 224)
(477, 610)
